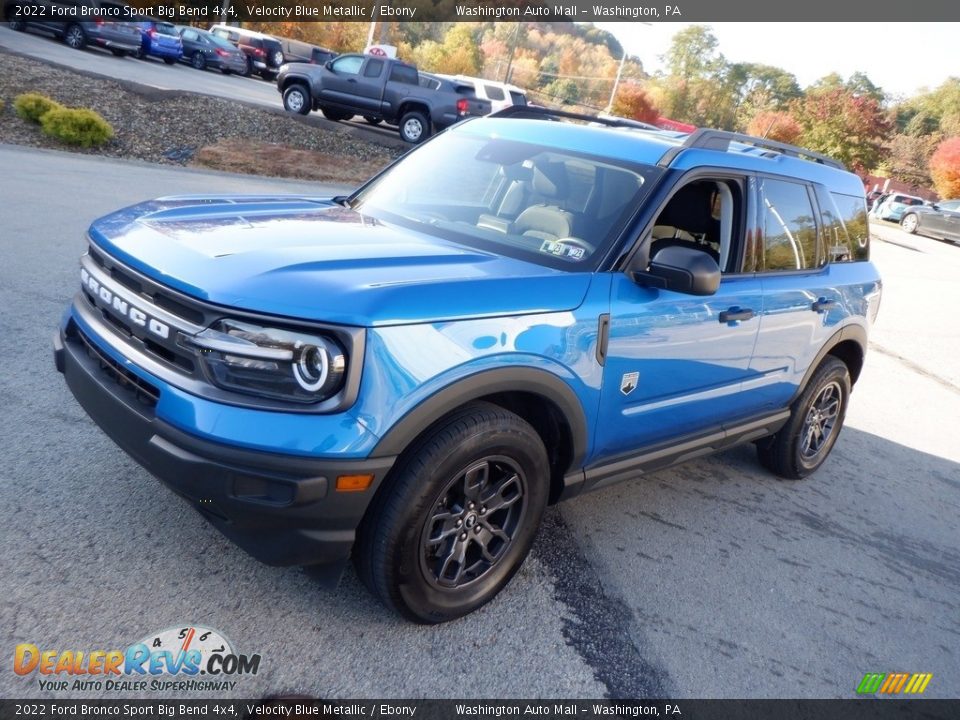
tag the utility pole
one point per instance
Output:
(513, 49)
(616, 83)
(373, 25)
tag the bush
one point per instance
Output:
(77, 126)
(33, 106)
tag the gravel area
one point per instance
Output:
(172, 127)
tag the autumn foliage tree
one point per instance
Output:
(775, 126)
(842, 124)
(945, 168)
(632, 101)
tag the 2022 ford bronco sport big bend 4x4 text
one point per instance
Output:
(517, 312)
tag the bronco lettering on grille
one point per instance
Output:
(121, 307)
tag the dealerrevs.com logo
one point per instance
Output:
(170, 660)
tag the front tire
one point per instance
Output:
(18, 25)
(75, 37)
(119, 53)
(457, 517)
(414, 127)
(296, 99)
(909, 223)
(803, 444)
(169, 61)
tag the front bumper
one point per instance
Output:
(283, 510)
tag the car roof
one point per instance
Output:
(646, 146)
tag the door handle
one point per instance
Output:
(736, 313)
(822, 305)
(352, 80)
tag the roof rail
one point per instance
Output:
(530, 112)
(708, 139)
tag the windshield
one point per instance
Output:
(555, 207)
(221, 43)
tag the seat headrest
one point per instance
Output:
(690, 208)
(550, 179)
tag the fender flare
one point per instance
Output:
(853, 331)
(490, 382)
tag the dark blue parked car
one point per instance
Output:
(160, 39)
(521, 310)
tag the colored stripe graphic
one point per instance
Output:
(894, 683)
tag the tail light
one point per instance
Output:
(152, 33)
(222, 53)
(463, 106)
(259, 52)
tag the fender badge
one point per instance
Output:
(629, 382)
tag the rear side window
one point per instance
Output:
(405, 74)
(493, 92)
(845, 226)
(373, 69)
(166, 29)
(789, 227)
(518, 98)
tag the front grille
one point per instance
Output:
(143, 392)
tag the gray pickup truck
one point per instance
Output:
(381, 90)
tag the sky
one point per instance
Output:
(899, 57)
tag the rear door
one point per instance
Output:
(802, 305)
(949, 213)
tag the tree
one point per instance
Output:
(846, 126)
(775, 125)
(632, 101)
(945, 168)
(908, 158)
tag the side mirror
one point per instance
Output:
(329, 65)
(683, 270)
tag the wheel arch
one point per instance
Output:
(409, 105)
(848, 344)
(295, 79)
(541, 398)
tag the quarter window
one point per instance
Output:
(789, 229)
(845, 226)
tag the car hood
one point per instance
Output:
(312, 259)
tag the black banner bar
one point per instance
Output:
(211, 11)
(301, 709)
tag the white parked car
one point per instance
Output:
(499, 94)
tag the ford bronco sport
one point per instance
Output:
(527, 307)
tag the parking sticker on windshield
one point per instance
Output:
(561, 249)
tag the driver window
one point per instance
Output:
(349, 65)
(701, 216)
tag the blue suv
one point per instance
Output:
(528, 307)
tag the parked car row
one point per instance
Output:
(222, 47)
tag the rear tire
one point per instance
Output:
(119, 53)
(198, 61)
(805, 442)
(169, 61)
(909, 223)
(457, 515)
(18, 25)
(414, 127)
(75, 37)
(296, 99)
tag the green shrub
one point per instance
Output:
(33, 106)
(77, 126)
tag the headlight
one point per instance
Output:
(271, 362)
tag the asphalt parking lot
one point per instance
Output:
(710, 580)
